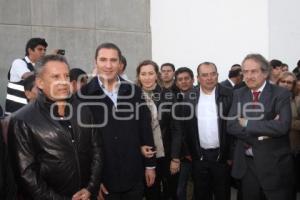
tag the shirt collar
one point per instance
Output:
(116, 86)
(231, 82)
(261, 88)
(28, 60)
(212, 93)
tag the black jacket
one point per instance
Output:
(49, 162)
(125, 129)
(7, 183)
(190, 126)
(164, 100)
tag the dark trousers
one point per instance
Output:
(135, 193)
(184, 176)
(252, 190)
(297, 171)
(211, 178)
(165, 184)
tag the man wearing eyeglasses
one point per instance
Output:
(205, 132)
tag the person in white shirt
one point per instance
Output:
(205, 109)
(21, 69)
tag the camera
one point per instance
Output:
(61, 52)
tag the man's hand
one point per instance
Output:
(82, 194)
(150, 177)
(229, 162)
(147, 151)
(189, 158)
(102, 192)
(243, 122)
(174, 166)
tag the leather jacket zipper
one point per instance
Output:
(76, 154)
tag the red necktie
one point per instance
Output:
(255, 96)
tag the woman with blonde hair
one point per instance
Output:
(288, 81)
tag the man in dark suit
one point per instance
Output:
(125, 122)
(235, 78)
(205, 132)
(260, 119)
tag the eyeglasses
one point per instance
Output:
(287, 82)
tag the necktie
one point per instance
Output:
(248, 147)
(255, 96)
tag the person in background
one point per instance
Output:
(78, 78)
(235, 77)
(122, 69)
(284, 67)
(184, 79)
(167, 71)
(19, 70)
(159, 103)
(30, 88)
(276, 70)
(288, 81)
(296, 70)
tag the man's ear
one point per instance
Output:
(30, 50)
(27, 94)
(39, 83)
(73, 85)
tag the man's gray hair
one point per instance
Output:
(264, 64)
(40, 64)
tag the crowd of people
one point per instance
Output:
(70, 135)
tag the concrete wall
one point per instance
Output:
(78, 27)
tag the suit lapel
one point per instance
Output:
(265, 96)
(194, 98)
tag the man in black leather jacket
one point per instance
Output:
(55, 152)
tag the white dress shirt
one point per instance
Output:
(113, 95)
(207, 118)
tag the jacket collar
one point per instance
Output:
(48, 104)
(93, 87)
(194, 98)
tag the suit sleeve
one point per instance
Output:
(233, 126)
(97, 161)
(23, 161)
(176, 129)
(274, 127)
